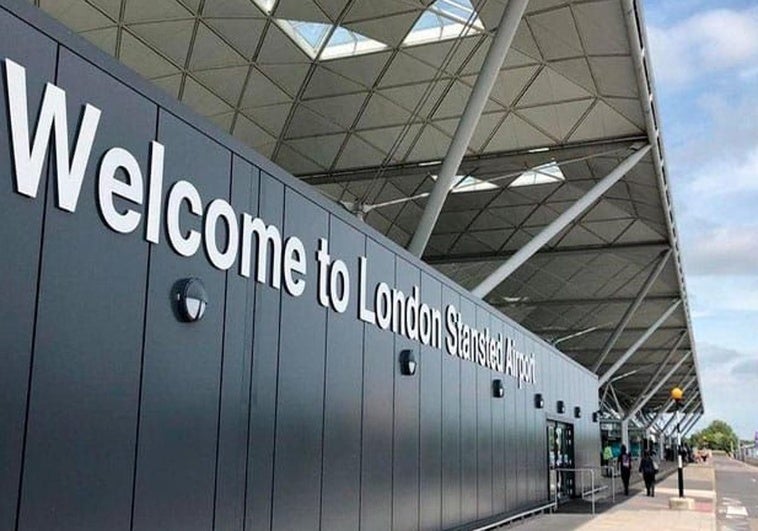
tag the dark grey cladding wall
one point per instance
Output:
(273, 412)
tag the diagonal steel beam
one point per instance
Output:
(655, 381)
(686, 409)
(691, 420)
(692, 424)
(644, 398)
(649, 281)
(688, 380)
(637, 344)
(493, 62)
(560, 223)
(573, 250)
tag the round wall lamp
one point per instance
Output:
(407, 363)
(498, 389)
(577, 412)
(192, 299)
(560, 407)
(539, 401)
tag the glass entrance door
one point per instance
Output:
(560, 455)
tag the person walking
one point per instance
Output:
(625, 467)
(648, 469)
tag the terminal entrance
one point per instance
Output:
(560, 455)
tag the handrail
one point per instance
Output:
(509, 519)
(591, 470)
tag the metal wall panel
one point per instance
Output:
(430, 444)
(260, 447)
(469, 435)
(379, 367)
(451, 427)
(85, 381)
(177, 438)
(300, 393)
(405, 458)
(343, 400)
(484, 377)
(234, 400)
(21, 232)
(499, 446)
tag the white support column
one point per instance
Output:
(644, 398)
(637, 344)
(625, 434)
(514, 11)
(560, 223)
(652, 277)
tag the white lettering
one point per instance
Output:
(108, 187)
(218, 209)
(183, 191)
(294, 262)
(52, 122)
(268, 236)
(155, 193)
(339, 277)
(364, 314)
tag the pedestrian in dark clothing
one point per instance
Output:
(625, 467)
(648, 469)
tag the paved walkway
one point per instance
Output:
(639, 511)
(737, 486)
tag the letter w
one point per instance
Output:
(28, 159)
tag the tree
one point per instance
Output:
(717, 436)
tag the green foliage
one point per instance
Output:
(717, 436)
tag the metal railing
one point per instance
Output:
(600, 483)
(523, 514)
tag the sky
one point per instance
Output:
(705, 63)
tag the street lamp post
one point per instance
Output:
(676, 396)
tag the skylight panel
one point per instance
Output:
(445, 19)
(267, 6)
(346, 43)
(469, 183)
(549, 173)
(312, 38)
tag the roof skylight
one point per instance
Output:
(469, 183)
(549, 173)
(311, 36)
(346, 43)
(266, 5)
(445, 19)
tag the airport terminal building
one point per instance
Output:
(328, 264)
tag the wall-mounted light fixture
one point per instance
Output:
(595, 416)
(539, 401)
(407, 363)
(192, 299)
(498, 389)
(560, 407)
(577, 412)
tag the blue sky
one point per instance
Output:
(705, 62)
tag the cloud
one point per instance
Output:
(706, 42)
(746, 368)
(730, 250)
(728, 179)
(709, 354)
(729, 380)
